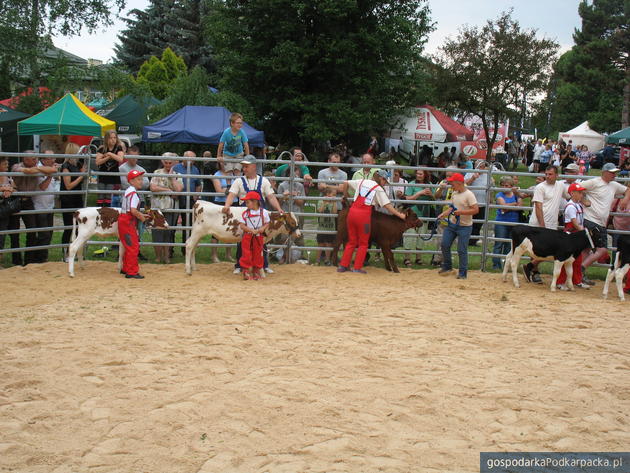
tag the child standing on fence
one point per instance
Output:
(325, 240)
(254, 222)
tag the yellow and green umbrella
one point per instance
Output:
(67, 116)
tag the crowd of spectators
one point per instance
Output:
(547, 197)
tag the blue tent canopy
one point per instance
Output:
(196, 124)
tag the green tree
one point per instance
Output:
(160, 74)
(592, 80)
(26, 28)
(320, 69)
(177, 24)
(192, 89)
(488, 70)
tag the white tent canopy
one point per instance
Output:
(583, 135)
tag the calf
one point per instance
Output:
(102, 221)
(208, 219)
(620, 267)
(387, 231)
(546, 245)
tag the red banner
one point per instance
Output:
(476, 149)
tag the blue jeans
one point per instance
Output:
(462, 234)
(501, 247)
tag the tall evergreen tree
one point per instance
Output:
(165, 23)
(320, 69)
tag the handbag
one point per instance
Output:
(10, 206)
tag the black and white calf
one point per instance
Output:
(546, 245)
(620, 267)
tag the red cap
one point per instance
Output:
(252, 195)
(576, 187)
(456, 177)
(134, 173)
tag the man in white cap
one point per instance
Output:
(600, 192)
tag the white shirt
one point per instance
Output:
(376, 197)
(538, 149)
(238, 188)
(551, 197)
(45, 201)
(481, 181)
(574, 210)
(252, 218)
(601, 195)
(130, 200)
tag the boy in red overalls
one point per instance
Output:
(127, 225)
(254, 222)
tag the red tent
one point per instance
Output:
(426, 123)
(13, 102)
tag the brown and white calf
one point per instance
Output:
(544, 244)
(102, 221)
(386, 232)
(208, 219)
(620, 267)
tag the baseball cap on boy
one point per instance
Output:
(133, 174)
(252, 195)
(576, 187)
(456, 177)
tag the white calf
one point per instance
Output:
(102, 221)
(620, 266)
(208, 219)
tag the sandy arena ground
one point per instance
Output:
(309, 370)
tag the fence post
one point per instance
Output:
(186, 189)
(288, 257)
(88, 170)
(484, 241)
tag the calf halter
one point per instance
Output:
(436, 223)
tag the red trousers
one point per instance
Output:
(358, 224)
(252, 247)
(128, 234)
(577, 264)
(577, 272)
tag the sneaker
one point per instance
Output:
(134, 276)
(327, 263)
(362, 271)
(527, 271)
(236, 271)
(444, 272)
(342, 269)
(536, 277)
(462, 276)
(269, 270)
(562, 287)
(122, 272)
(582, 286)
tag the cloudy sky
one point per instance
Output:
(555, 19)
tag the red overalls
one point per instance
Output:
(577, 264)
(252, 245)
(358, 224)
(128, 234)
